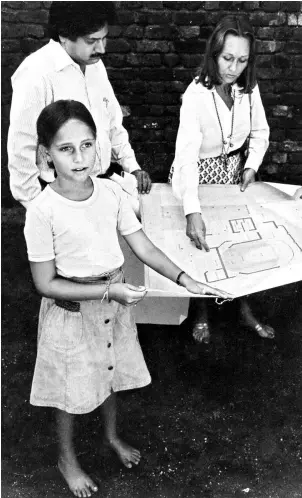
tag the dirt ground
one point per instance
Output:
(217, 422)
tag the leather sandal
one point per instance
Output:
(201, 332)
(265, 331)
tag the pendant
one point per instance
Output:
(231, 145)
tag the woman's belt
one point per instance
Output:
(75, 305)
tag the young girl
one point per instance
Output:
(87, 339)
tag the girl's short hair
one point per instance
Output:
(57, 114)
(74, 19)
(208, 73)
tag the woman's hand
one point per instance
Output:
(144, 182)
(248, 176)
(126, 294)
(196, 230)
(298, 194)
(196, 287)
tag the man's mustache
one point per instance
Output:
(95, 55)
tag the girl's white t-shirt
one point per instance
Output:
(80, 235)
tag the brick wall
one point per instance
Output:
(151, 56)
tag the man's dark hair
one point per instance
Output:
(74, 19)
(236, 25)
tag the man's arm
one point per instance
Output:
(28, 100)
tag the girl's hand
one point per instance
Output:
(196, 231)
(248, 176)
(126, 294)
(196, 287)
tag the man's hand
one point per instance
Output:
(248, 176)
(196, 231)
(144, 182)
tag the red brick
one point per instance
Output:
(160, 32)
(118, 45)
(215, 5)
(22, 30)
(294, 47)
(190, 46)
(270, 6)
(126, 17)
(133, 5)
(156, 87)
(40, 16)
(284, 33)
(22, 5)
(279, 158)
(266, 33)
(10, 45)
(291, 146)
(194, 60)
(281, 61)
(152, 46)
(250, 5)
(291, 6)
(156, 74)
(134, 31)
(266, 19)
(8, 15)
(188, 18)
(171, 60)
(293, 134)
(189, 31)
(176, 86)
(158, 18)
(295, 157)
(114, 60)
(269, 74)
(144, 60)
(154, 5)
(297, 34)
(277, 134)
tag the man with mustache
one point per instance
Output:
(68, 67)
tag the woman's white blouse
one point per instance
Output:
(199, 136)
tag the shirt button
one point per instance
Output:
(110, 368)
(109, 345)
(107, 320)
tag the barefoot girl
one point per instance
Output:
(87, 339)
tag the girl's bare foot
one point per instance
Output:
(79, 483)
(126, 453)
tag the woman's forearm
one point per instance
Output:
(59, 288)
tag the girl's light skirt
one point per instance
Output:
(83, 356)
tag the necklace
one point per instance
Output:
(224, 151)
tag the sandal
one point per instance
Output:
(201, 332)
(265, 331)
